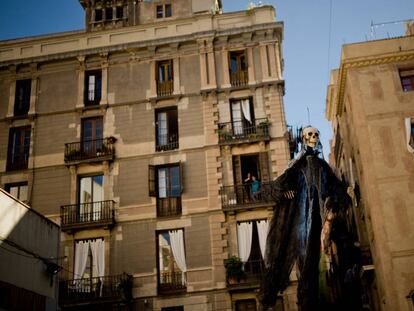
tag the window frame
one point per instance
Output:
(25, 133)
(8, 187)
(97, 90)
(172, 136)
(163, 10)
(22, 103)
(100, 14)
(406, 76)
(109, 10)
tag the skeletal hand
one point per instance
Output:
(350, 192)
(290, 194)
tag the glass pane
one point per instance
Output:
(164, 251)
(98, 129)
(233, 63)
(162, 128)
(162, 183)
(85, 190)
(23, 193)
(175, 181)
(97, 188)
(91, 87)
(161, 73)
(168, 10)
(159, 11)
(14, 191)
(87, 130)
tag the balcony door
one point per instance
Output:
(91, 195)
(242, 115)
(92, 136)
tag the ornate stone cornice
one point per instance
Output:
(372, 61)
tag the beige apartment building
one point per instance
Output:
(137, 136)
(370, 104)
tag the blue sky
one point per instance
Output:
(314, 33)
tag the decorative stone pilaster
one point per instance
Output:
(81, 82)
(104, 67)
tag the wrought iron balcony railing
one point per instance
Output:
(169, 206)
(97, 149)
(239, 78)
(253, 271)
(171, 282)
(240, 196)
(115, 288)
(237, 131)
(165, 88)
(167, 142)
(91, 214)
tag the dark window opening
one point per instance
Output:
(160, 11)
(22, 97)
(412, 135)
(98, 15)
(167, 129)
(109, 14)
(180, 308)
(168, 11)
(19, 146)
(18, 190)
(165, 74)
(238, 68)
(407, 79)
(246, 305)
(119, 12)
(92, 136)
(165, 183)
(93, 87)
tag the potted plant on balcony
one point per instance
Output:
(234, 270)
(263, 128)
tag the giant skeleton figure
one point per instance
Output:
(302, 195)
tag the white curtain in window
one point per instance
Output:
(91, 88)
(98, 257)
(408, 134)
(245, 103)
(162, 183)
(81, 257)
(262, 228)
(244, 239)
(237, 118)
(177, 246)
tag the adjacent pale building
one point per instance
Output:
(370, 104)
(29, 252)
(138, 136)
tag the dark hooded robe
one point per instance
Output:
(295, 228)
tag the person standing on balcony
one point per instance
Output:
(255, 186)
(247, 182)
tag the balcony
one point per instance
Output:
(167, 142)
(96, 290)
(87, 215)
(237, 132)
(239, 78)
(168, 207)
(239, 197)
(253, 272)
(172, 283)
(90, 150)
(165, 88)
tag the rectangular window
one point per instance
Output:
(18, 190)
(88, 264)
(166, 129)
(407, 79)
(246, 305)
(172, 266)
(109, 14)
(92, 137)
(238, 68)
(19, 146)
(22, 97)
(165, 182)
(93, 87)
(180, 308)
(242, 114)
(91, 196)
(119, 12)
(165, 77)
(163, 10)
(98, 15)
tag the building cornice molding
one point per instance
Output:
(176, 40)
(360, 63)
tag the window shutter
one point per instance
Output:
(182, 176)
(238, 180)
(264, 166)
(151, 181)
(98, 87)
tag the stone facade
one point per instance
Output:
(369, 103)
(98, 104)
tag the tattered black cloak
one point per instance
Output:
(295, 229)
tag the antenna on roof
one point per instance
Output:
(383, 24)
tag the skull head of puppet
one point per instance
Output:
(310, 136)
